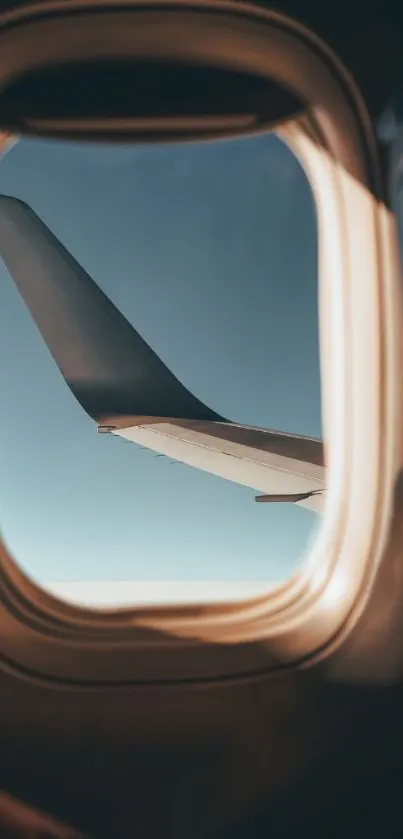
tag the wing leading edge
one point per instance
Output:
(126, 388)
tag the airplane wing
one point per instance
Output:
(283, 466)
(125, 387)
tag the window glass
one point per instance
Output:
(210, 251)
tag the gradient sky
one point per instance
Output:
(210, 251)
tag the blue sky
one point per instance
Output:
(210, 251)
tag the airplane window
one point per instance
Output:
(209, 251)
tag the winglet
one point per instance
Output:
(107, 365)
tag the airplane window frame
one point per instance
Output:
(54, 641)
